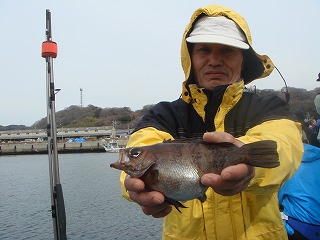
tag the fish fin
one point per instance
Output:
(175, 203)
(202, 198)
(184, 140)
(262, 154)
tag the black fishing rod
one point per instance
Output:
(49, 51)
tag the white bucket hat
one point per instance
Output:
(220, 30)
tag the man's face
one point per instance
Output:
(216, 64)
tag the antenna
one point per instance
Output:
(285, 83)
(81, 97)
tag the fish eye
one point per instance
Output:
(135, 152)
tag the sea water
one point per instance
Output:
(94, 206)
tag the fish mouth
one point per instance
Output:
(134, 169)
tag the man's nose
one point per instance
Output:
(214, 59)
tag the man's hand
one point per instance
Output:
(232, 179)
(151, 203)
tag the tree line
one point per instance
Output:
(73, 116)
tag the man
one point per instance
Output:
(218, 60)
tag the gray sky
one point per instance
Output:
(127, 53)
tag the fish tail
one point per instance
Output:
(262, 154)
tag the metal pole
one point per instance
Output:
(57, 201)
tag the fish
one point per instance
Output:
(175, 167)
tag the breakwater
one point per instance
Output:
(22, 148)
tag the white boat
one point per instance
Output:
(112, 146)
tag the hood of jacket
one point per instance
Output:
(255, 66)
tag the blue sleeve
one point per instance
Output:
(300, 195)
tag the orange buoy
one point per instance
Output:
(49, 49)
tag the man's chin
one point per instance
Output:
(215, 83)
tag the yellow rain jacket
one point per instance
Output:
(253, 213)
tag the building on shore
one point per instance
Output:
(34, 141)
(63, 134)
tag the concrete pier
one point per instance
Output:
(63, 147)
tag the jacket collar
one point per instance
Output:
(229, 95)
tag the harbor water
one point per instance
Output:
(94, 206)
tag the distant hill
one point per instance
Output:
(92, 116)
(13, 127)
(75, 116)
